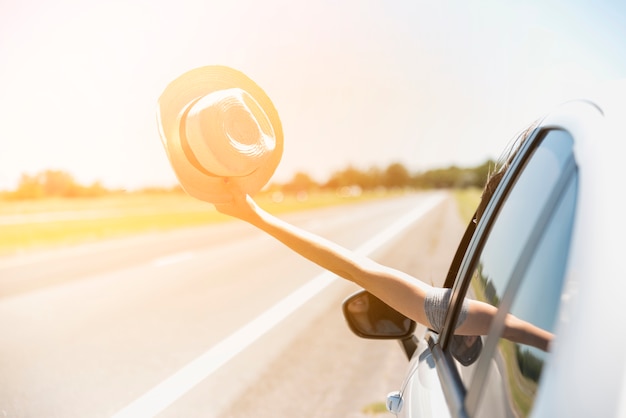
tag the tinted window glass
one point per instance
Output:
(515, 367)
(505, 257)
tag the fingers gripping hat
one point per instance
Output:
(218, 126)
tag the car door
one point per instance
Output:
(515, 260)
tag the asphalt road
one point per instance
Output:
(164, 324)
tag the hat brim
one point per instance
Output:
(189, 87)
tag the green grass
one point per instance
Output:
(27, 225)
(521, 389)
(44, 223)
(375, 408)
(467, 201)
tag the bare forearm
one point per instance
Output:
(524, 332)
(321, 251)
(481, 315)
(399, 290)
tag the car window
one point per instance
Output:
(520, 270)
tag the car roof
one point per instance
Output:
(587, 372)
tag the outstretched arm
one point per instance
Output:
(400, 290)
(478, 322)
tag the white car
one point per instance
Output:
(548, 249)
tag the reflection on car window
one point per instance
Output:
(511, 380)
(517, 367)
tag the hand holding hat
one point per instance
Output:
(220, 130)
(240, 206)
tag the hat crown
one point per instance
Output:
(228, 132)
(219, 130)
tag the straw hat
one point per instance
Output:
(218, 126)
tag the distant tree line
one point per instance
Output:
(529, 364)
(55, 183)
(395, 175)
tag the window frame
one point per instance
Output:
(550, 207)
(461, 399)
(483, 229)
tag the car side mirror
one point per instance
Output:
(369, 317)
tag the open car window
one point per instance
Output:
(518, 267)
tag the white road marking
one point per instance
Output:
(175, 386)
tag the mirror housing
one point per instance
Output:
(369, 317)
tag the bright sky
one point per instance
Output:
(361, 82)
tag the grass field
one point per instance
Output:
(467, 200)
(28, 225)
